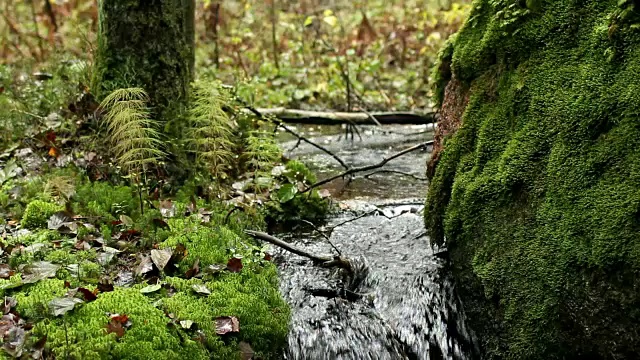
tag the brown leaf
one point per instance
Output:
(38, 348)
(5, 271)
(161, 224)
(115, 327)
(179, 253)
(9, 303)
(105, 285)
(161, 257)
(227, 324)
(234, 264)
(246, 352)
(194, 270)
(146, 265)
(121, 318)
(87, 294)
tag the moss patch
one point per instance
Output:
(538, 192)
(80, 259)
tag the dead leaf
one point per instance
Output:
(246, 352)
(145, 266)
(214, 269)
(121, 318)
(194, 270)
(126, 221)
(14, 341)
(161, 224)
(234, 264)
(167, 209)
(186, 324)
(9, 303)
(115, 327)
(5, 271)
(38, 348)
(39, 271)
(58, 219)
(105, 285)
(227, 324)
(82, 245)
(201, 289)
(62, 305)
(161, 257)
(87, 294)
(150, 289)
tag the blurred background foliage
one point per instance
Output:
(310, 54)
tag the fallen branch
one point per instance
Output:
(272, 119)
(382, 163)
(382, 171)
(290, 248)
(360, 118)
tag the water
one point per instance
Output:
(400, 301)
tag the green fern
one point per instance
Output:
(131, 132)
(210, 135)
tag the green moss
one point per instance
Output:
(106, 201)
(38, 213)
(148, 337)
(537, 194)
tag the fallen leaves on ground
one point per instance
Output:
(227, 324)
(39, 270)
(62, 305)
(118, 324)
(161, 257)
(234, 264)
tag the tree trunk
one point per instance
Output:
(148, 44)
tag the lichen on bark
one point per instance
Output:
(149, 44)
(537, 193)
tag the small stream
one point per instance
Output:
(400, 303)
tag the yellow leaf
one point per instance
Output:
(331, 20)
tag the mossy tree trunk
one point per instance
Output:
(149, 44)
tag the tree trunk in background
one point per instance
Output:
(149, 44)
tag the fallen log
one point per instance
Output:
(354, 118)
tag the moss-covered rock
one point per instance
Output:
(38, 213)
(537, 194)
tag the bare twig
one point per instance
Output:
(285, 245)
(324, 236)
(395, 172)
(260, 116)
(382, 163)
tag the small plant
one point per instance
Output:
(262, 155)
(132, 134)
(209, 135)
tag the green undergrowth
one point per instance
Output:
(204, 237)
(537, 194)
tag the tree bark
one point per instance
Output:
(148, 44)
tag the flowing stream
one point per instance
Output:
(400, 302)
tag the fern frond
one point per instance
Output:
(210, 134)
(131, 132)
